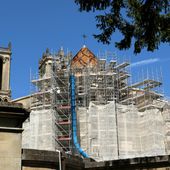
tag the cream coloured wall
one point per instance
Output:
(10, 151)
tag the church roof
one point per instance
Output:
(83, 59)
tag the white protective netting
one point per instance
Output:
(98, 131)
(39, 130)
(139, 133)
(166, 117)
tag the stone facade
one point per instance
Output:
(12, 115)
(10, 150)
(5, 58)
(11, 118)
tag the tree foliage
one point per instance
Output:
(143, 23)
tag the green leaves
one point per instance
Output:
(88, 5)
(144, 22)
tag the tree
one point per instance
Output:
(143, 23)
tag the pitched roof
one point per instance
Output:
(83, 59)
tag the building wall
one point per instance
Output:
(10, 151)
(26, 101)
(35, 168)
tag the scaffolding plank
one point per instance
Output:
(63, 107)
(63, 122)
(41, 93)
(63, 138)
(124, 88)
(40, 80)
(125, 76)
(156, 84)
(148, 82)
(122, 65)
(137, 97)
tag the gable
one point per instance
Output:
(84, 58)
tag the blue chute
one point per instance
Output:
(74, 118)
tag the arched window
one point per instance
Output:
(1, 68)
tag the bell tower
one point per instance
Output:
(5, 59)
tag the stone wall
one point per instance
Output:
(10, 150)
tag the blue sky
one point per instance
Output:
(34, 25)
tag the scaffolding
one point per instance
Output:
(51, 92)
(61, 105)
(101, 85)
(104, 90)
(147, 91)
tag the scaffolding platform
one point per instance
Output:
(148, 83)
(41, 80)
(122, 65)
(64, 138)
(66, 122)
